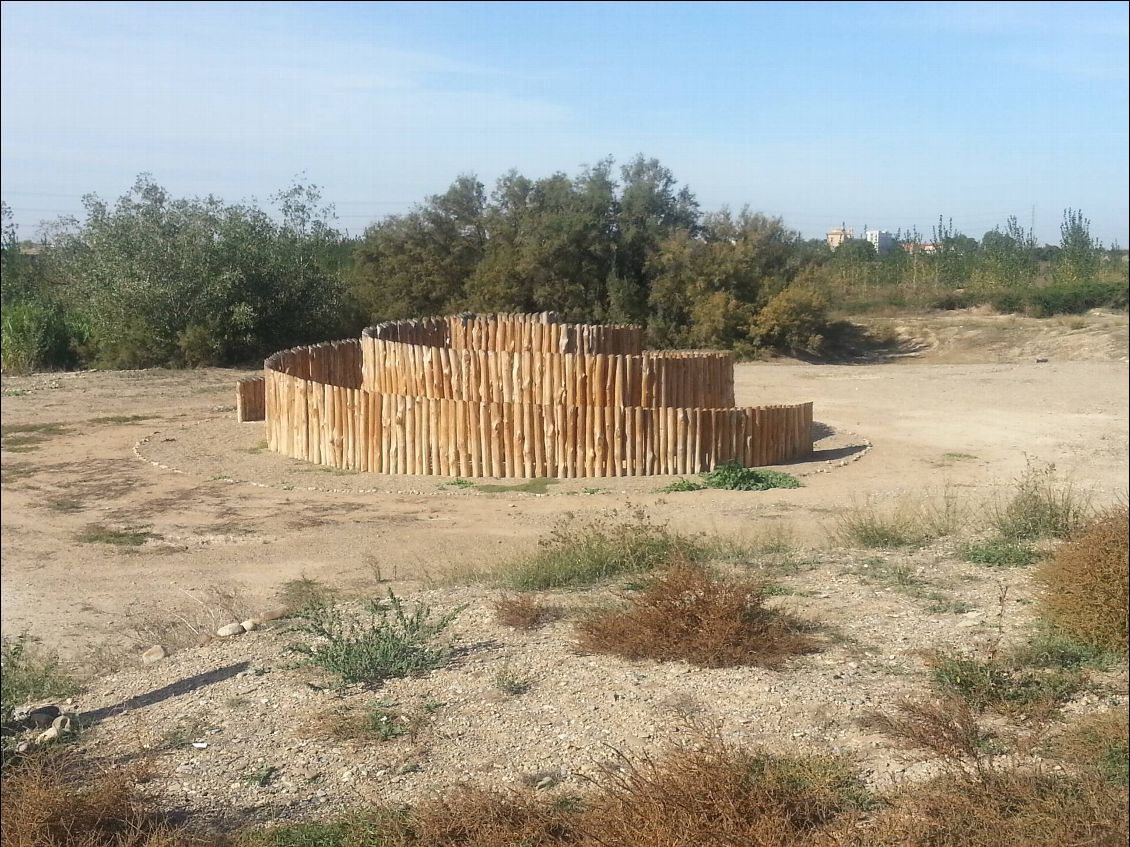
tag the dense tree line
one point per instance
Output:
(156, 280)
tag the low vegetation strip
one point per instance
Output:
(578, 553)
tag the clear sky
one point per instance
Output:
(884, 114)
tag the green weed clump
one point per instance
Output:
(385, 642)
(124, 537)
(999, 553)
(29, 673)
(581, 553)
(1000, 685)
(1043, 505)
(1086, 584)
(734, 477)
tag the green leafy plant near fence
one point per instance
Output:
(733, 477)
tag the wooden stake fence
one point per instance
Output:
(413, 398)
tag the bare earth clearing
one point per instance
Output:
(158, 452)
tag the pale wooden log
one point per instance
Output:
(530, 441)
(620, 441)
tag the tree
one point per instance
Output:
(650, 209)
(551, 245)
(1079, 253)
(419, 263)
(953, 255)
(1007, 258)
(158, 280)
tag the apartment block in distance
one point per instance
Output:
(881, 240)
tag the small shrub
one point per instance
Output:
(1001, 807)
(509, 683)
(1100, 744)
(871, 528)
(576, 554)
(28, 674)
(1042, 506)
(524, 612)
(719, 796)
(1050, 648)
(476, 817)
(688, 614)
(1086, 584)
(793, 321)
(386, 642)
(1003, 686)
(34, 337)
(304, 592)
(946, 727)
(999, 553)
(56, 799)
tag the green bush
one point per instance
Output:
(794, 321)
(386, 642)
(1043, 505)
(28, 674)
(734, 477)
(1060, 298)
(33, 337)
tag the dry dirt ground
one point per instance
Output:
(226, 524)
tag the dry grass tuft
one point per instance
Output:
(709, 798)
(525, 612)
(1001, 808)
(906, 522)
(55, 799)
(470, 817)
(581, 552)
(1100, 744)
(724, 796)
(689, 614)
(1087, 583)
(946, 727)
(1042, 505)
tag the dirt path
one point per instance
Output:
(966, 425)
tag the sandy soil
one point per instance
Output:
(159, 451)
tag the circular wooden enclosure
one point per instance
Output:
(514, 396)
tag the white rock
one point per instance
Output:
(228, 630)
(250, 625)
(153, 655)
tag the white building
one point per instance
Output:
(881, 240)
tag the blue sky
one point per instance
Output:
(881, 114)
